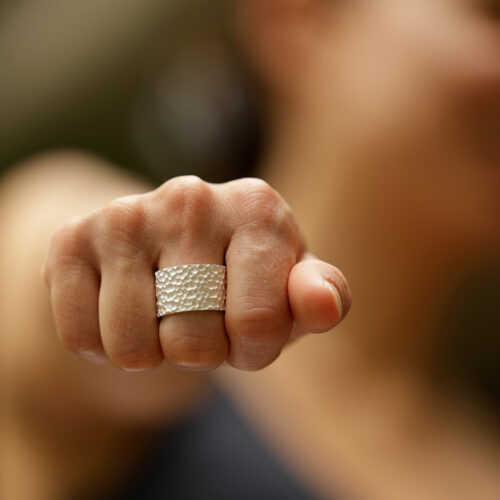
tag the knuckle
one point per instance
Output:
(250, 354)
(258, 334)
(254, 326)
(191, 183)
(263, 208)
(256, 184)
(76, 341)
(196, 349)
(258, 194)
(131, 356)
(125, 218)
(67, 247)
(69, 237)
(252, 363)
(186, 192)
(187, 201)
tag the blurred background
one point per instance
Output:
(151, 85)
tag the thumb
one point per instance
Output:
(319, 295)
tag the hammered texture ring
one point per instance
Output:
(191, 287)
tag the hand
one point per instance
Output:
(100, 272)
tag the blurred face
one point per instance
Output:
(403, 97)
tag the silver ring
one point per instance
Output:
(191, 287)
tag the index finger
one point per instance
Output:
(259, 259)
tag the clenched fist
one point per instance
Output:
(100, 272)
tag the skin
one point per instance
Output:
(100, 265)
(388, 104)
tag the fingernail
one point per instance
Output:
(337, 297)
(94, 357)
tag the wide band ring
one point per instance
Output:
(191, 287)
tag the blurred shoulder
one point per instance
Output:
(71, 180)
(42, 191)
